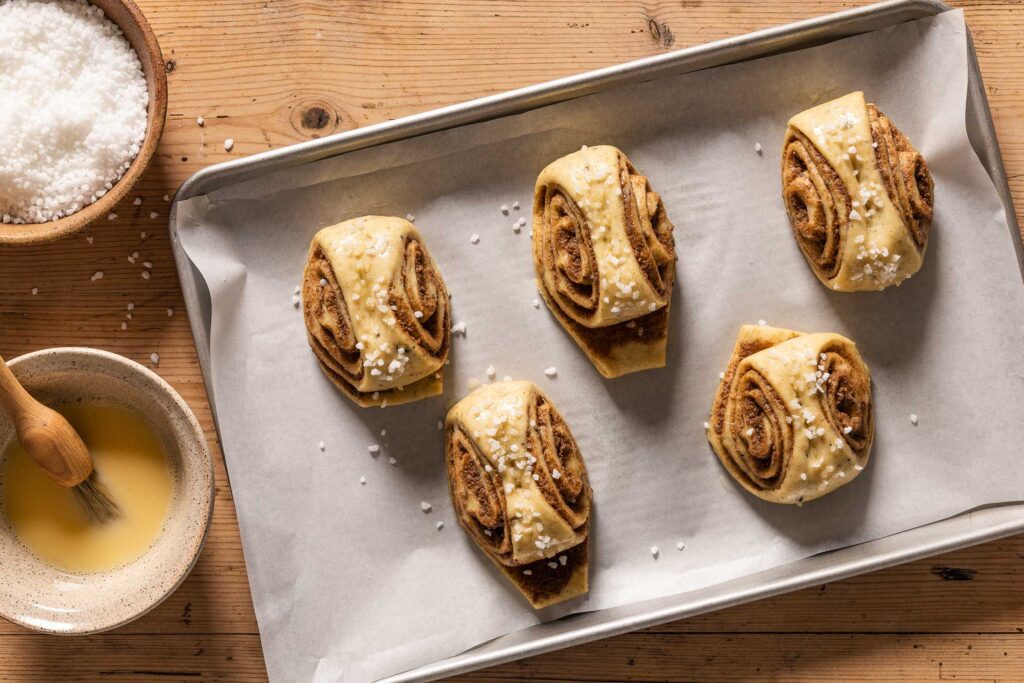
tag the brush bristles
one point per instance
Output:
(93, 498)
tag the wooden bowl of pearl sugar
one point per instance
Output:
(69, 574)
(83, 98)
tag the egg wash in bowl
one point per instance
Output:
(132, 465)
(62, 576)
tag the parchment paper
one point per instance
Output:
(354, 582)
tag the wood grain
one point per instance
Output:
(271, 72)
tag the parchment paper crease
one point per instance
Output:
(354, 582)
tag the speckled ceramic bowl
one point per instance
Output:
(44, 598)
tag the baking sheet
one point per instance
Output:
(355, 581)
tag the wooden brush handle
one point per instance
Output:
(51, 441)
(12, 394)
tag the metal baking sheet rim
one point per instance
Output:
(969, 528)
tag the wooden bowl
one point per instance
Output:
(51, 600)
(136, 29)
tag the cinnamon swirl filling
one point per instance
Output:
(760, 432)
(817, 202)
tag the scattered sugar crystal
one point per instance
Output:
(229, 144)
(155, 357)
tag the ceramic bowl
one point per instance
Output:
(44, 598)
(129, 18)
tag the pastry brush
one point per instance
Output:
(56, 447)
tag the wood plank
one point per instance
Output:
(111, 658)
(633, 657)
(260, 71)
(791, 658)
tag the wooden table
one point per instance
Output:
(272, 72)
